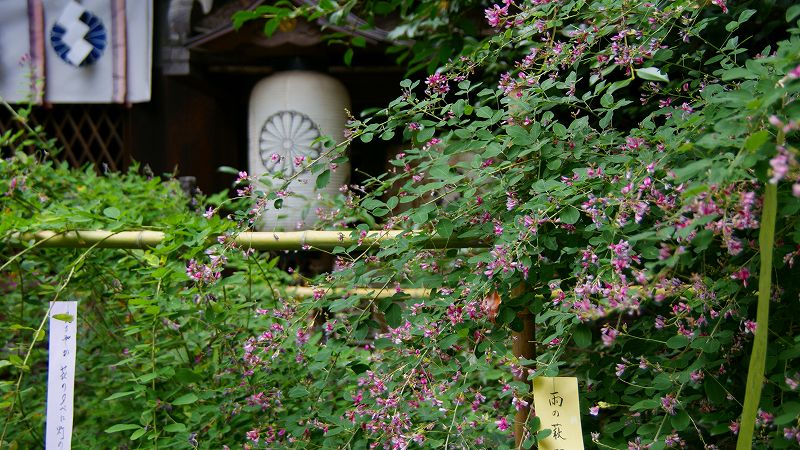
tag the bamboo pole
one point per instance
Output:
(307, 291)
(292, 240)
(758, 355)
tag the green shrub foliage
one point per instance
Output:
(612, 156)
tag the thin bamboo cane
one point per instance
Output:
(306, 291)
(293, 240)
(524, 346)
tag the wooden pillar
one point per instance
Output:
(524, 346)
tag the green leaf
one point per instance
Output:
(185, 399)
(570, 215)
(484, 112)
(756, 140)
(17, 362)
(792, 13)
(425, 134)
(440, 172)
(737, 73)
(652, 74)
(393, 315)
(792, 407)
(582, 336)
(680, 421)
(298, 391)
(677, 341)
(348, 57)
(445, 228)
(607, 100)
(117, 395)
(323, 178)
(138, 433)
(227, 169)
(271, 25)
(371, 203)
(783, 419)
(684, 173)
(175, 428)
(707, 344)
(146, 378)
(240, 17)
(645, 404)
(342, 303)
(448, 341)
(358, 367)
(714, 390)
(367, 137)
(559, 130)
(606, 120)
(544, 434)
(63, 317)
(122, 427)
(420, 216)
(111, 212)
(187, 376)
(746, 15)
(519, 135)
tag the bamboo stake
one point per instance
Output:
(293, 240)
(758, 355)
(306, 291)
(523, 345)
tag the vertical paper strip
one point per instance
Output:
(61, 375)
(558, 407)
(37, 53)
(119, 51)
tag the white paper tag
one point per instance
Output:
(61, 375)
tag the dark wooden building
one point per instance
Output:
(202, 74)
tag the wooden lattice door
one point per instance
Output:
(85, 134)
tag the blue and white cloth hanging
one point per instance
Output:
(65, 51)
(78, 36)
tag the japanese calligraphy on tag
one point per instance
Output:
(557, 406)
(61, 375)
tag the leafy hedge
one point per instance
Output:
(622, 161)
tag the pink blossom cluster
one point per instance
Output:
(437, 84)
(792, 434)
(206, 273)
(498, 16)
